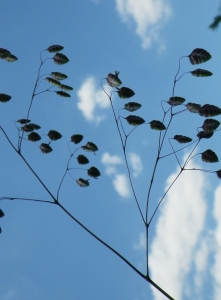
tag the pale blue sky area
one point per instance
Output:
(46, 255)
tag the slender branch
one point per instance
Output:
(26, 199)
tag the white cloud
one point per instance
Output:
(91, 99)
(217, 236)
(141, 245)
(177, 233)
(136, 163)
(120, 183)
(111, 159)
(148, 15)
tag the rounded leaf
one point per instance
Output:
(113, 80)
(174, 101)
(135, 120)
(45, 148)
(54, 135)
(76, 138)
(93, 172)
(157, 125)
(34, 126)
(4, 53)
(193, 107)
(82, 159)
(204, 135)
(91, 147)
(218, 173)
(55, 48)
(60, 59)
(209, 156)
(201, 73)
(1, 213)
(182, 139)
(11, 58)
(132, 106)
(82, 182)
(199, 56)
(23, 121)
(209, 110)
(58, 76)
(210, 125)
(125, 92)
(34, 137)
(63, 94)
(27, 128)
(4, 98)
(66, 87)
(53, 81)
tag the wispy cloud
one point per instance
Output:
(149, 17)
(141, 245)
(178, 231)
(136, 163)
(92, 100)
(120, 181)
(217, 236)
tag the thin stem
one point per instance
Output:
(26, 199)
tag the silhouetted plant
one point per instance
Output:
(174, 106)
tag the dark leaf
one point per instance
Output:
(34, 126)
(4, 53)
(1, 213)
(63, 94)
(182, 139)
(209, 110)
(11, 58)
(58, 76)
(218, 173)
(76, 138)
(135, 120)
(193, 107)
(209, 156)
(216, 22)
(199, 56)
(201, 73)
(174, 101)
(66, 87)
(93, 172)
(45, 148)
(157, 125)
(53, 81)
(34, 137)
(132, 106)
(0, 230)
(91, 147)
(54, 135)
(125, 92)
(55, 48)
(4, 98)
(113, 80)
(210, 125)
(82, 182)
(82, 159)
(27, 128)
(204, 135)
(60, 59)
(23, 121)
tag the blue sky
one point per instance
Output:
(45, 254)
